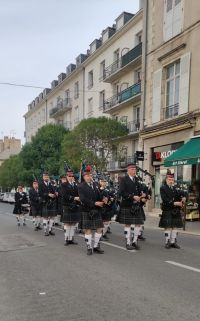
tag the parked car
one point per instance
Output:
(1, 197)
(5, 197)
(11, 198)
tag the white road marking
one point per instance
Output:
(42, 293)
(183, 266)
(106, 243)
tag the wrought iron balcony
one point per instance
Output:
(133, 126)
(132, 57)
(61, 107)
(125, 97)
(120, 164)
(171, 111)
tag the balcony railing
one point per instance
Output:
(120, 164)
(171, 111)
(129, 57)
(61, 107)
(133, 126)
(125, 95)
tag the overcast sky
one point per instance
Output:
(38, 39)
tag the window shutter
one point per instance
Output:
(168, 21)
(184, 83)
(157, 81)
(177, 18)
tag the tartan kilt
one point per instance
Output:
(69, 216)
(49, 209)
(106, 214)
(91, 223)
(169, 220)
(36, 210)
(126, 217)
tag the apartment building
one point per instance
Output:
(171, 83)
(9, 146)
(104, 81)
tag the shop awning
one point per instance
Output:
(188, 154)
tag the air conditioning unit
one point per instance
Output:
(80, 59)
(46, 91)
(70, 69)
(54, 83)
(61, 77)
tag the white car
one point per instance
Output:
(5, 197)
(1, 197)
(11, 198)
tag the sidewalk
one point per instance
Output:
(192, 228)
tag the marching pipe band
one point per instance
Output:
(90, 206)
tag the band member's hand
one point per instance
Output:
(77, 198)
(143, 195)
(100, 204)
(144, 200)
(51, 195)
(136, 198)
(179, 204)
(56, 193)
(184, 199)
(105, 200)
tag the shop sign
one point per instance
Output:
(159, 154)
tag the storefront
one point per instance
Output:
(182, 174)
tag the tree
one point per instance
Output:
(92, 140)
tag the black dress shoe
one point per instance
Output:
(39, 227)
(98, 250)
(141, 238)
(109, 231)
(168, 246)
(89, 251)
(66, 243)
(36, 228)
(73, 242)
(129, 247)
(46, 233)
(175, 246)
(135, 246)
(105, 237)
(51, 233)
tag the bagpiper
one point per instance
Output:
(92, 203)
(71, 207)
(20, 200)
(107, 210)
(49, 199)
(171, 218)
(130, 210)
(36, 205)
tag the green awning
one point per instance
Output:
(188, 154)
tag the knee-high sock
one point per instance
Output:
(67, 232)
(136, 233)
(33, 220)
(88, 240)
(97, 237)
(167, 236)
(72, 232)
(132, 231)
(51, 221)
(127, 233)
(174, 236)
(45, 224)
(105, 228)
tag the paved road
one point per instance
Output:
(40, 279)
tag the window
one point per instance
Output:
(76, 90)
(102, 69)
(90, 79)
(137, 76)
(138, 38)
(76, 118)
(172, 89)
(116, 60)
(90, 105)
(101, 99)
(173, 17)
